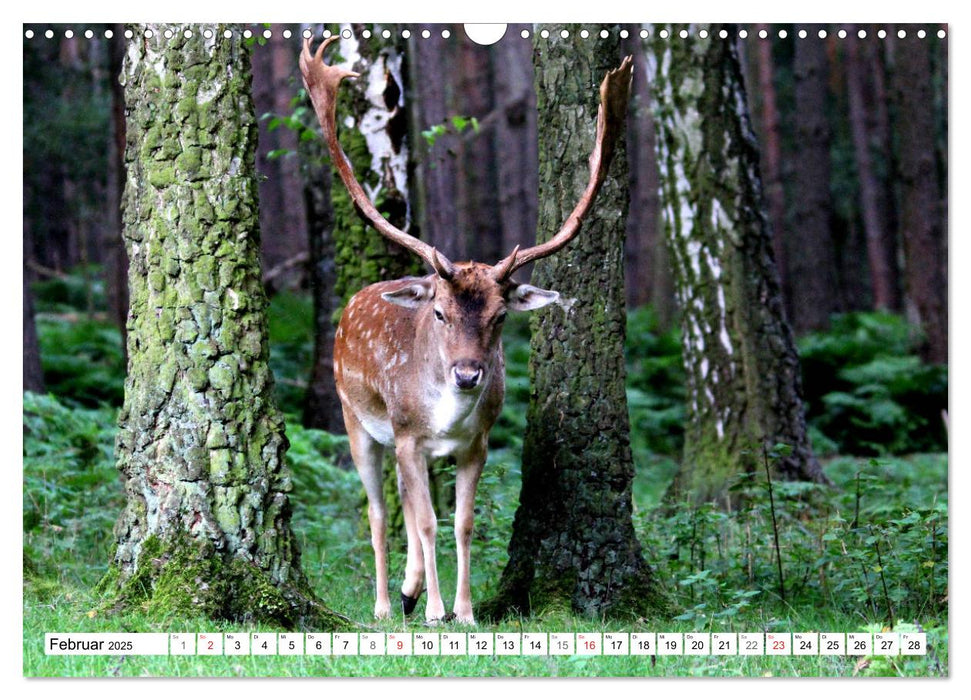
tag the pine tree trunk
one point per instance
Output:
(573, 544)
(810, 251)
(206, 529)
(33, 372)
(772, 160)
(478, 185)
(921, 218)
(881, 261)
(282, 216)
(743, 381)
(647, 270)
(116, 259)
(515, 140)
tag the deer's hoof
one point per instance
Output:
(408, 603)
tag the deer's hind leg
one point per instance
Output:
(368, 456)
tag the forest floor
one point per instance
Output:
(720, 569)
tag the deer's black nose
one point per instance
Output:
(467, 374)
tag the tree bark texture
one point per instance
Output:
(772, 158)
(921, 218)
(573, 544)
(810, 248)
(743, 380)
(206, 529)
(647, 270)
(880, 257)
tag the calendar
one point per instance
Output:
(496, 644)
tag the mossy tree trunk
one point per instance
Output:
(206, 529)
(743, 377)
(573, 543)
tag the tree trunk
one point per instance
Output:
(647, 269)
(436, 165)
(373, 127)
(515, 140)
(116, 259)
(772, 159)
(880, 259)
(810, 251)
(478, 184)
(201, 445)
(573, 544)
(921, 218)
(743, 381)
(33, 372)
(281, 215)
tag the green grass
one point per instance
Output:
(874, 543)
(721, 578)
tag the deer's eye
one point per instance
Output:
(500, 317)
(439, 316)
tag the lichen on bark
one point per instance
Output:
(743, 377)
(201, 446)
(573, 544)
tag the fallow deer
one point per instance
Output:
(418, 362)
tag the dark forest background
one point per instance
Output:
(853, 140)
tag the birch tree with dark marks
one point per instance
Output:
(743, 376)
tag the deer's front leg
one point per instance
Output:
(415, 496)
(367, 455)
(411, 587)
(467, 473)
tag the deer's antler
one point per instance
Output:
(614, 92)
(322, 82)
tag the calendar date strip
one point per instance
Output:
(487, 644)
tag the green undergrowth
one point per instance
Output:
(868, 553)
(720, 569)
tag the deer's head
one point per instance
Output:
(462, 308)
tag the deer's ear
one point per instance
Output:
(526, 297)
(412, 295)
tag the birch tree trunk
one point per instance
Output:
(573, 544)
(743, 378)
(372, 127)
(206, 529)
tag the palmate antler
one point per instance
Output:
(322, 82)
(614, 93)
